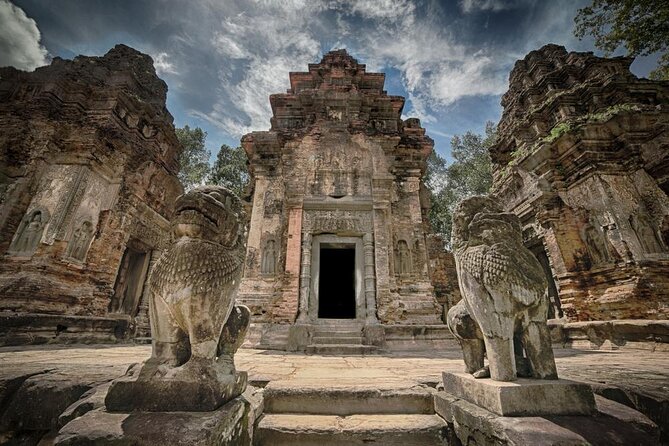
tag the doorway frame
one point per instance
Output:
(332, 241)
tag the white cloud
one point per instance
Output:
(436, 69)
(19, 39)
(264, 55)
(468, 6)
(256, 47)
(375, 9)
(163, 65)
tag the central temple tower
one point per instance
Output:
(338, 224)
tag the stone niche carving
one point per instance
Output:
(504, 292)
(269, 258)
(596, 242)
(645, 232)
(81, 240)
(29, 232)
(403, 258)
(271, 204)
(195, 324)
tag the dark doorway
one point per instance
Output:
(130, 281)
(336, 288)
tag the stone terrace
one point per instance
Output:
(637, 378)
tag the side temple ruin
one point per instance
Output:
(88, 176)
(582, 158)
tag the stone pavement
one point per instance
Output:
(637, 378)
(640, 369)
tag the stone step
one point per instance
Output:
(352, 340)
(340, 349)
(347, 399)
(327, 430)
(422, 319)
(319, 332)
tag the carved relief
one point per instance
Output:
(29, 232)
(404, 264)
(338, 172)
(78, 246)
(418, 257)
(645, 232)
(595, 242)
(271, 204)
(337, 221)
(70, 201)
(269, 257)
(251, 259)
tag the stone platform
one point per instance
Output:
(226, 425)
(613, 424)
(128, 393)
(41, 382)
(523, 397)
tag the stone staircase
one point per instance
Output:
(298, 413)
(339, 337)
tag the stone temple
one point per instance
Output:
(338, 225)
(556, 293)
(88, 178)
(582, 157)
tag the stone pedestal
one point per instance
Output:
(613, 424)
(129, 393)
(524, 397)
(226, 425)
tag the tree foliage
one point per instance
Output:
(641, 26)
(194, 160)
(469, 174)
(230, 169)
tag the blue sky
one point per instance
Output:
(222, 59)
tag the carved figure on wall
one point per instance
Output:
(81, 240)
(403, 257)
(195, 324)
(596, 243)
(29, 233)
(504, 288)
(269, 258)
(647, 236)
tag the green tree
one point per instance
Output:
(230, 169)
(469, 174)
(641, 26)
(194, 161)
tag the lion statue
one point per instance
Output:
(504, 295)
(195, 325)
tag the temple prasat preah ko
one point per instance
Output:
(358, 264)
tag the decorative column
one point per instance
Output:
(305, 278)
(370, 287)
(293, 253)
(382, 240)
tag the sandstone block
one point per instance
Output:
(326, 430)
(224, 426)
(333, 399)
(524, 397)
(128, 393)
(476, 426)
